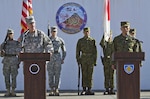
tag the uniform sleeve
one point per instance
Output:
(63, 49)
(48, 44)
(78, 52)
(19, 47)
(95, 52)
(102, 42)
(1, 46)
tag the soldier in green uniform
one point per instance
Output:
(107, 47)
(86, 56)
(124, 42)
(138, 43)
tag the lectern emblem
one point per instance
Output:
(128, 68)
(34, 69)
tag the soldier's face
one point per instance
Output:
(87, 33)
(132, 34)
(11, 36)
(31, 26)
(54, 33)
(125, 29)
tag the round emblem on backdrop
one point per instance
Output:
(34, 68)
(71, 18)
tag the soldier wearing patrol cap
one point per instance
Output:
(57, 58)
(132, 33)
(124, 42)
(10, 62)
(35, 40)
(138, 44)
(86, 56)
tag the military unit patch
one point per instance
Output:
(71, 18)
(128, 68)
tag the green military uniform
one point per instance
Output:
(86, 55)
(138, 44)
(124, 43)
(107, 62)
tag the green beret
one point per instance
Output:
(10, 31)
(132, 31)
(125, 23)
(86, 29)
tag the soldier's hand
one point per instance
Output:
(18, 66)
(62, 61)
(113, 67)
(2, 53)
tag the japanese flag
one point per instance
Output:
(106, 19)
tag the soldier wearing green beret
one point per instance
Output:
(86, 56)
(107, 47)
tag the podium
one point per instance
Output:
(34, 74)
(128, 74)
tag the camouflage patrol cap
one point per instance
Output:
(132, 31)
(10, 31)
(30, 19)
(54, 29)
(125, 23)
(86, 29)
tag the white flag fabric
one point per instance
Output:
(106, 20)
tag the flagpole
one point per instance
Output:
(48, 31)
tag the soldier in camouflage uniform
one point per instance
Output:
(10, 49)
(124, 42)
(86, 56)
(138, 44)
(107, 63)
(34, 40)
(54, 66)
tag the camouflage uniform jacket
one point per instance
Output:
(86, 46)
(123, 44)
(107, 50)
(59, 44)
(12, 49)
(36, 42)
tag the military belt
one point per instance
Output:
(87, 53)
(10, 54)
